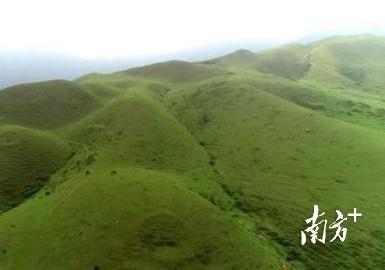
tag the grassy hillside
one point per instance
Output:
(137, 125)
(328, 76)
(359, 60)
(45, 105)
(352, 105)
(211, 165)
(177, 71)
(138, 219)
(277, 160)
(348, 61)
(289, 61)
(27, 159)
(240, 58)
(146, 189)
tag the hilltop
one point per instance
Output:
(49, 104)
(177, 71)
(27, 159)
(345, 60)
(207, 165)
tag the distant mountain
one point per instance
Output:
(22, 66)
(357, 60)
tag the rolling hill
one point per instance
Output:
(343, 60)
(177, 71)
(27, 159)
(50, 104)
(209, 165)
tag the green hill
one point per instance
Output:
(327, 76)
(345, 60)
(27, 159)
(138, 219)
(288, 61)
(45, 105)
(278, 159)
(240, 58)
(149, 190)
(212, 165)
(177, 71)
(354, 61)
(137, 131)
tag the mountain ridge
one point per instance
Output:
(206, 165)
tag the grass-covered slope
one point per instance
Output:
(27, 159)
(357, 61)
(211, 165)
(135, 130)
(290, 61)
(142, 194)
(177, 71)
(348, 61)
(45, 105)
(287, 61)
(138, 219)
(278, 159)
(364, 108)
(240, 58)
(341, 77)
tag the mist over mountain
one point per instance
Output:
(18, 66)
(22, 66)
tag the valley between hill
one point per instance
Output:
(210, 165)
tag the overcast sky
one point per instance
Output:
(110, 28)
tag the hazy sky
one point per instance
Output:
(144, 27)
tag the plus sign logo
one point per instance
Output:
(317, 227)
(354, 215)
